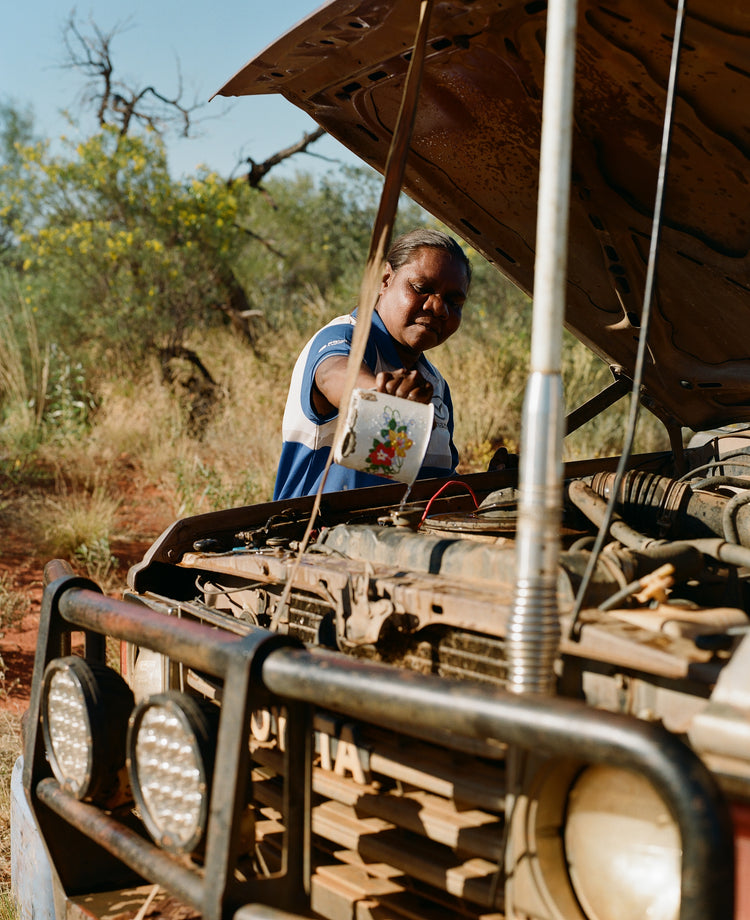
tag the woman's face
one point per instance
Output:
(421, 302)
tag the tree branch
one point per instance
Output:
(258, 171)
(115, 101)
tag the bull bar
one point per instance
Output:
(265, 665)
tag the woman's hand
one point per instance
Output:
(328, 386)
(408, 384)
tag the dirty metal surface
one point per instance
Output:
(128, 903)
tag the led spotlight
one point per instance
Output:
(171, 749)
(85, 710)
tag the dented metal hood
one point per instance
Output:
(475, 158)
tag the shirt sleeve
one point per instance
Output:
(330, 341)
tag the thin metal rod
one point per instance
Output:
(592, 407)
(648, 293)
(533, 634)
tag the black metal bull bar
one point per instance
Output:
(93, 850)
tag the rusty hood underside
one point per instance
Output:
(475, 157)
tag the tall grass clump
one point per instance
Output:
(234, 462)
(585, 375)
(10, 749)
(485, 365)
(14, 603)
(24, 375)
(46, 398)
(77, 524)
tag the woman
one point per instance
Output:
(424, 287)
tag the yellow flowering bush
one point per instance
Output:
(129, 258)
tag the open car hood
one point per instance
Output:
(474, 161)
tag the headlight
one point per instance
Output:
(623, 847)
(85, 710)
(171, 748)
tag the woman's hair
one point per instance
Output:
(404, 248)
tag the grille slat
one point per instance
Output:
(423, 835)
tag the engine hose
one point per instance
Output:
(670, 508)
(594, 506)
(715, 482)
(729, 516)
(619, 596)
(729, 553)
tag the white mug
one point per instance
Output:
(385, 435)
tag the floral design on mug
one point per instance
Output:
(389, 451)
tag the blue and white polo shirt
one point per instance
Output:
(308, 436)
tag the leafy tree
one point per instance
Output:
(120, 258)
(316, 236)
(114, 252)
(16, 128)
(117, 254)
(16, 131)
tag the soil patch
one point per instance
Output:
(144, 513)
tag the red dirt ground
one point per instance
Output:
(144, 513)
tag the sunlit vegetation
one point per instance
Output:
(159, 320)
(10, 748)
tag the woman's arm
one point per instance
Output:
(328, 386)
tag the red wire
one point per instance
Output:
(451, 482)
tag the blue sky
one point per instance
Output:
(211, 41)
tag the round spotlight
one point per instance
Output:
(85, 710)
(623, 847)
(171, 748)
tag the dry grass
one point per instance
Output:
(24, 373)
(487, 386)
(584, 376)
(71, 519)
(10, 748)
(8, 910)
(487, 375)
(74, 521)
(232, 463)
(235, 461)
(14, 603)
